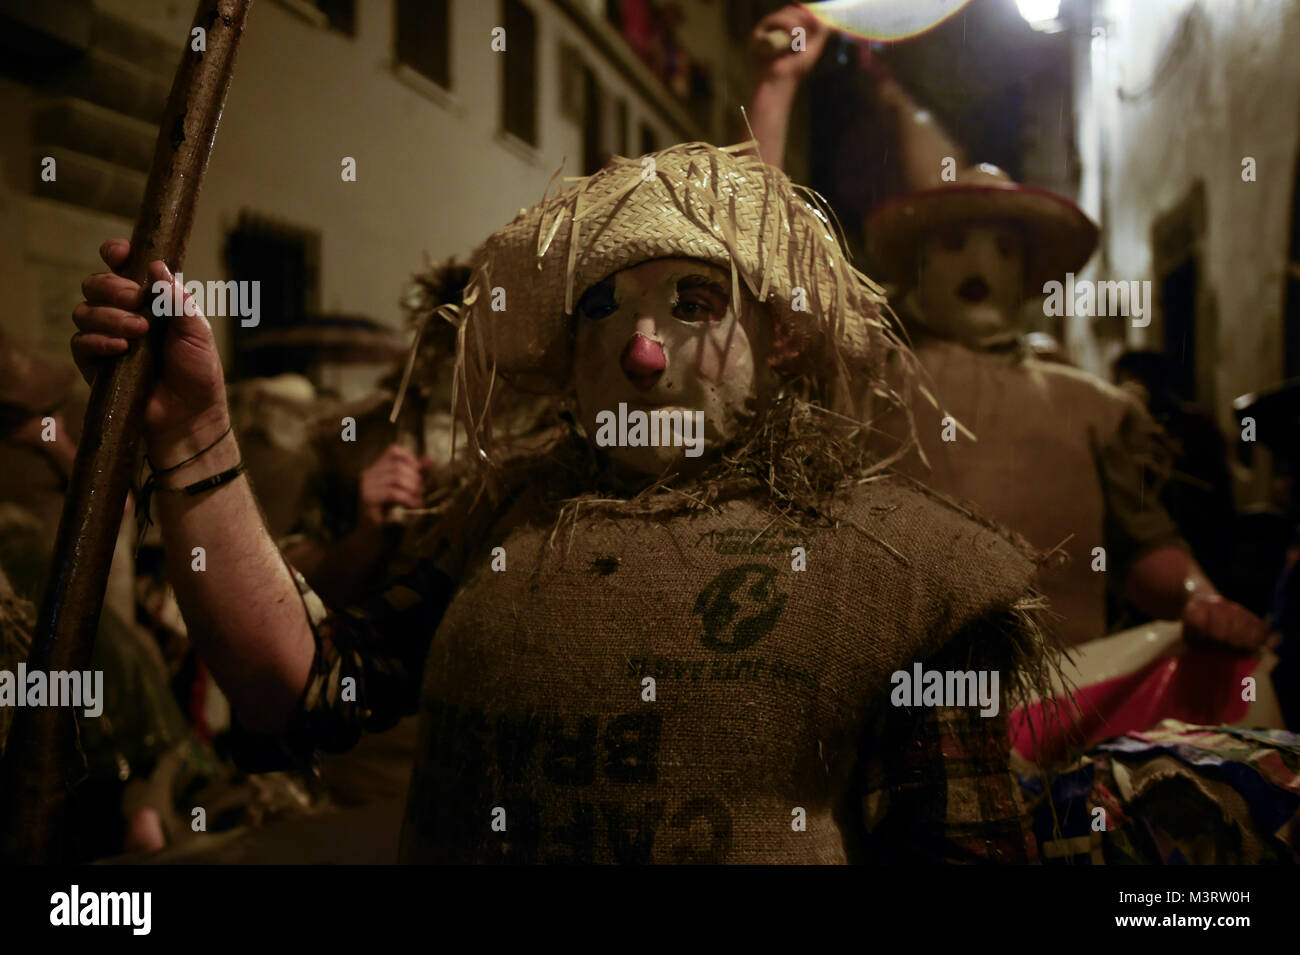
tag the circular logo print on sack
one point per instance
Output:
(749, 589)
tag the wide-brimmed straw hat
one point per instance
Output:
(697, 201)
(1059, 236)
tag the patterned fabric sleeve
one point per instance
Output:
(937, 788)
(365, 675)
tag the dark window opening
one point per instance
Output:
(1291, 319)
(286, 261)
(620, 130)
(1178, 298)
(519, 72)
(420, 38)
(1186, 315)
(594, 152)
(342, 14)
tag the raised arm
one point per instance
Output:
(781, 60)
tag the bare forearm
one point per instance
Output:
(769, 117)
(1161, 582)
(242, 608)
(239, 601)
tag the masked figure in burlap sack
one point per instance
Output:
(704, 624)
(1058, 455)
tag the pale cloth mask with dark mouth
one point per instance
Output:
(970, 284)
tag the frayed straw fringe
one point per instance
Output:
(797, 455)
(1046, 682)
(448, 313)
(1021, 643)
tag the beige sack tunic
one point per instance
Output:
(1060, 456)
(770, 737)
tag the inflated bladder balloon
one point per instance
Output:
(885, 19)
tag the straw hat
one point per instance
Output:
(688, 201)
(335, 339)
(1059, 235)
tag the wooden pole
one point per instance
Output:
(43, 761)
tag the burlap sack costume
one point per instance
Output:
(1064, 458)
(766, 680)
(1058, 455)
(699, 672)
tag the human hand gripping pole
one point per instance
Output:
(42, 763)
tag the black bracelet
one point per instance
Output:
(207, 484)
(198, 487)
(154, 470)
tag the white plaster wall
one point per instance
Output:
(1235, 93)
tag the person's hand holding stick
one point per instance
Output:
(784, 47)
(42, 764)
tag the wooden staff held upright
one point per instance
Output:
(43, 761)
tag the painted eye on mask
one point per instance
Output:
(700, 300)
(952, 240)
(598, 301)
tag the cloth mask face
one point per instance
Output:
(665, 336)
(969, 285)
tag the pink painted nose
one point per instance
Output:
(643, 361)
